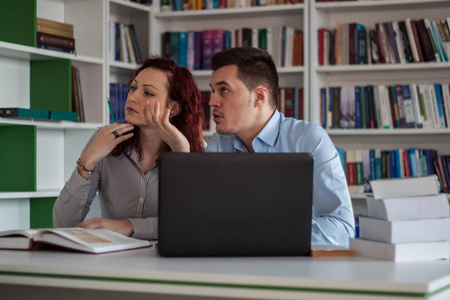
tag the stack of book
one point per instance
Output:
(54, 35)
(123, 43)
(408, 220)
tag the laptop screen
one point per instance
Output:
(235, 204)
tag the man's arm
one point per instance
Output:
(333, 220)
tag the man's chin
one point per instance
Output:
(221, 130)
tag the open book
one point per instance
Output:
(85, 240)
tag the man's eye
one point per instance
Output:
(224, 90)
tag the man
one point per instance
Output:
(244, 83)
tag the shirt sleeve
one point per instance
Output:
(144, 229)
(333, 220)
(75, 199)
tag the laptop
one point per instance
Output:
(235, 204)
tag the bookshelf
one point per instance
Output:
(327, 15)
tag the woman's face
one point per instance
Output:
(150, 86)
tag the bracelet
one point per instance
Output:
(83, 168)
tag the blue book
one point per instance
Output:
(437, 89)
(174, 41)
(398, 163)
(378, 164)
(374, 103)
(428, 153)
(366, 107)
(182, 49)
(393, 164)
(414, 171)
(372, 164)
(323, 106)
(358, 119)
(341, 153)
(408, 106)
(71, 51)
(423, 163)
(227, 40)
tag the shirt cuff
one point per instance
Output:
(144, 229)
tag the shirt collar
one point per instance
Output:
(268, 134)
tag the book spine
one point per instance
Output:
(207, 45)
(55, 41)
(401, 108)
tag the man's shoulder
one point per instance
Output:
(299, 127)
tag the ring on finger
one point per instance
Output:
(116, 134)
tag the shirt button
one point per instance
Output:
(141, 200)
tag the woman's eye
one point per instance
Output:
(148, 94)
(132, 88)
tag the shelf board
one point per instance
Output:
(49, 124)
(119, 66)
(378, 5)
(121, 6)
(38, 194)
(232, 12)
(384, 67)
(30, 53)
(365, 132)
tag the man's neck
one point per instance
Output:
(249, 135)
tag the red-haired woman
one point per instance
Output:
(163, 113)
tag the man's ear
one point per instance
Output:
(261, 95)
(175, 108)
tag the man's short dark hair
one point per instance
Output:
(255, 67)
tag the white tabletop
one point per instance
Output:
(260, 277)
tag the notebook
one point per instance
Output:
(235, 204)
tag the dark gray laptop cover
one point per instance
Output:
(235, 204)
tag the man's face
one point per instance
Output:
(231, 101)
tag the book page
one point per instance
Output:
(85, 236)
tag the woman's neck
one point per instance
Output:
(151, 145)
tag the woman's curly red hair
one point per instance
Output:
(182, 89)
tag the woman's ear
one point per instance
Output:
(175, 108)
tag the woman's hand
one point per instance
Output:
(169, 133)
(106, 140)
(120, 226)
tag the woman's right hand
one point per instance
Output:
(103, 144)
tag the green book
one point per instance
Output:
(262, 39)
(18, 22)
(63, 116)
(51, 84)
(18, 158)
(17, 112)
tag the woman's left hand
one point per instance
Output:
(169, 133)
(120, 226)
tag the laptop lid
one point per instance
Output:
(235, 204)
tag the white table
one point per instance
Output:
(142, 273)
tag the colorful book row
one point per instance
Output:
(194, 49)
(40, 114)
(404, 41)
(290, 102)
(123, 43)
(184, 5)
(363, 165)
(397, 106)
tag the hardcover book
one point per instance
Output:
(405, 187)
(17, 112)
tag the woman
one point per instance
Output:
(163, 113)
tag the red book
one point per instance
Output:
(300, 115)
(406, 163)
(320, 43)
(289, 102)
(417, 40)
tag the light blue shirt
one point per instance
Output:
(333, 221)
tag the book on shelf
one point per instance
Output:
(77, 95)
(27, 113)
(63, 116)
(405, 187)
(85, 240)
(398, 232)
(400, 252)
(408, 208)
(54, 28)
